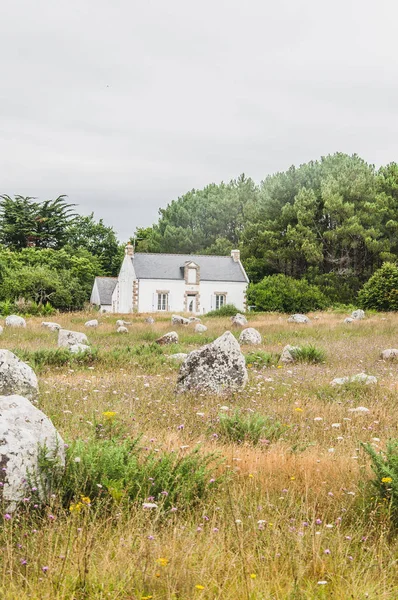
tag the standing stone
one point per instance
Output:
(92, 323)
(177, 320)
(122, 329)
(16, 377)
(199, 328)
(15, 321)
(179, 357)
(358, 314)
(217, 368)
(168, 338)
(250, 336)
(121, 323)
(239, 320)
(77, 348)
(70, 338)
(24, 432)
(51, 326)
(287, 355)
(298, 318)
(150, 320)
(390, 354)
(359, 378)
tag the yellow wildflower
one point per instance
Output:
(163, 562)
(253, 576)
(386, 480)
(292, 478)
(251, 475)
(146, 597)
(76, 507)
(109, 415)
(298, 409)
(199, 587)
(279, 366)
(85, 500)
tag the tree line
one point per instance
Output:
(333, 221)
(329, 224)
(49, 254)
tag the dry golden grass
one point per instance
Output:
(290, 515)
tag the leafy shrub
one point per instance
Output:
(123, 470)
(385, 466)
(228, 310)
(380, 292)
(280, 293)
(309, 354)
(251, 428)
(26, 307)
(261, 359)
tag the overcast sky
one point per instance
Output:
(124, 105)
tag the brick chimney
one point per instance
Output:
(235, 254)
(129, 250)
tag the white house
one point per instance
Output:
(173, 282)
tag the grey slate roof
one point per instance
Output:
(168, 266)
(105, 286)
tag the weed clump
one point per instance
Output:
(253, 428)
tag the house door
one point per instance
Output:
(191, 299)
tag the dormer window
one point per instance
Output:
(191, 273)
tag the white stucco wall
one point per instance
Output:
(147, 296)
(124, 293)
(235, 294)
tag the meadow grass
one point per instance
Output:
(294, 517)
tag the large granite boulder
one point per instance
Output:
(250, 336)
(199, 328)
(358, 314)
(178, 320)
(68, 338)
(16, 377)
(24, 432)
(92, 323)
(298, 318)
(51, 326)
(390, 354)
(194, 320)
(349, 320)
(217, 368)
(239, 320)
(168, 338)
(287, 355)
(359, 378)
(15, 321)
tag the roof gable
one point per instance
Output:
(106, 286)
(171, 266)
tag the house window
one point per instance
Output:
(220, 300)
(163, 301)
(192, 276)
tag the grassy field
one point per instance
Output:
(292, 516)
